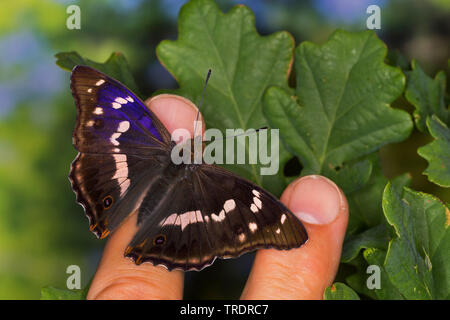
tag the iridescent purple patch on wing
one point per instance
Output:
(118, 103)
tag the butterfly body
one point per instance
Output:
(187, 214)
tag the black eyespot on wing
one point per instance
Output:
(110, 186)
(159, 240)
(107, 202)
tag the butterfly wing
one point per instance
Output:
(213, 214)
(122, 145)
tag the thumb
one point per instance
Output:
(304, 273)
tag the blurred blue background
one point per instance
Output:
(42, 229)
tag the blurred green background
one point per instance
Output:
(42, 229)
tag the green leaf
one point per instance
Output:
(418, 258)
(431, 220)
(341, 108)
(426, 95)
(116, 66)
(340, 291)
(365, 203)
(358, 282)
(376, 237)
(51, 293)
(387, 290)
(437, 153)
(366, 214)
(351, 176)
(244, 64)
(397, 59)
(401, 181)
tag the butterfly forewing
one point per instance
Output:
(120, 141)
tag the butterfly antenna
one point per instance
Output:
(201, 100)
(244, 134)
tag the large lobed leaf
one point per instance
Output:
(244, 64)
(341, 108)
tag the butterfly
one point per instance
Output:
(187, 214)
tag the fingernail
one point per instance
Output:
(174, 111)
(316, 200)
(170, 97)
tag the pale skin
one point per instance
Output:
(301, 273)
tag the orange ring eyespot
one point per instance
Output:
(107, 202)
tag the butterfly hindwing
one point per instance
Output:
(256, 218)
(213, 214)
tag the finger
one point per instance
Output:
(118, 277)
(305, 272)
(174, 111)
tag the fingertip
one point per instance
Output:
(119, 278)
(304, 273)
(174, 111)
(323, 209)
(315, 200)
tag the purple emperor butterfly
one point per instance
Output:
(187, 214)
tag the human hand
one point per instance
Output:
(301, 273)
